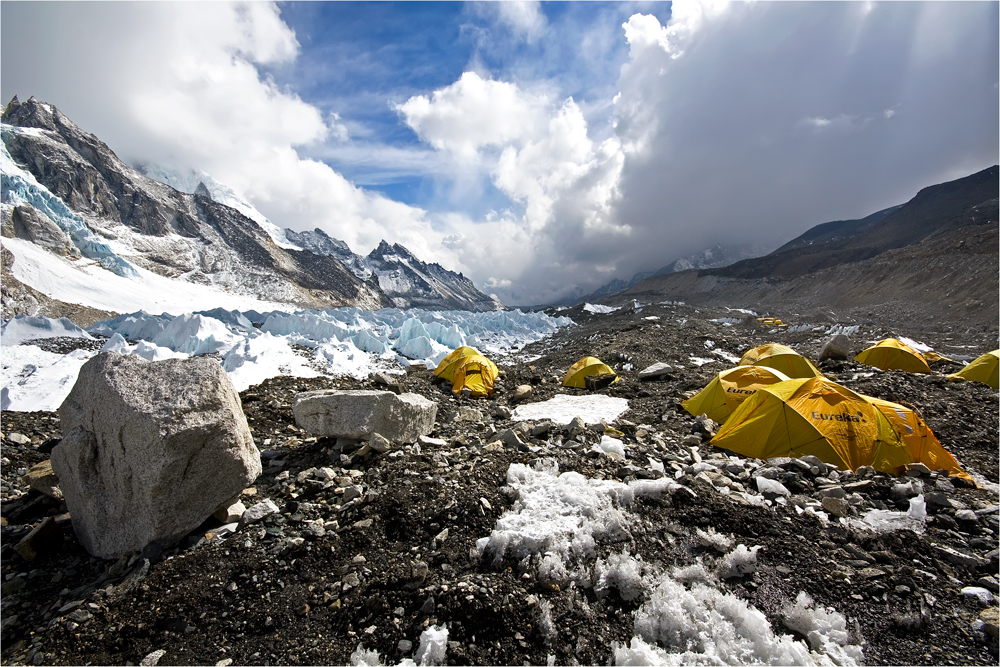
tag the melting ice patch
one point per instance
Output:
(598, 308)
(685, 617)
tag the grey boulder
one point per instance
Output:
(358, 414)
(151, 450)
(837, 347)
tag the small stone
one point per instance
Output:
(80, 616)
(258, 511)
(45, 538)
(428, 441)
(836, 506)
(521, 393)
(943, 485)
(352, 492)
(691, 440)
(903, 590)
(467, 414)
(41, 478)
(18, 439)
(152, 659)
(379, 444)
(350, 580)
(404, 646)
(656, 371)
(990, 618)
(985, 596)
(364, 523)
(966, 516)
(917, 469)
(989, 583)
(502, 412)
(225, 662)
(441, 537)
(230, 513)
(832, 492)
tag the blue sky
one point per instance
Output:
(542, 149)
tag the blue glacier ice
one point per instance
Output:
(20, 187)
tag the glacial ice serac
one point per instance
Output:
(344, 341)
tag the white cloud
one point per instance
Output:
(178, 84)
(525, 18)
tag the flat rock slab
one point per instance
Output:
(151, 450)
(358, 414)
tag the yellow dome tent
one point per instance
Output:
(446, 369)
(782, 358)
(476, 373)
(730, 388)
(813, 416)
(577, 373)
(891, 354)
(984, 369)
(923, 445)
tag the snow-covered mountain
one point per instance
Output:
(82, 227)
(405, 280)
(409, 282)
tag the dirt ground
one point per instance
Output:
(309, 584)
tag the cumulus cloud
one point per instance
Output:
(180, 85)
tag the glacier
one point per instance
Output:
(254, 346)
(20, 187)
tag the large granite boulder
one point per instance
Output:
(150, 450)
(358, 414)
(838, 347)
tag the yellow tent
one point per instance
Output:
(782, 358)
(984, 369)
(477, 373)
(923, 445)
(446, 369)
(730, 388)
(891, 354)
(813, 416)
(575, 376)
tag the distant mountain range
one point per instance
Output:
(936, 255)
(710, 258)
(65, 191)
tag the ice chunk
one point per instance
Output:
(364, 658)
(598, 308)
(24, 327)
(195, 334)
(612, 447)
(738, 562)
(620, 571)
(433, 646)
(825, 629)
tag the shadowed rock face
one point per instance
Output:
(173, 233)
(151, 450)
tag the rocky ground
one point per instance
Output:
(372, 549)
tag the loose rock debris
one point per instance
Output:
(354, 551)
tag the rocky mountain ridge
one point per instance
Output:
(934, 257)
(66, 191)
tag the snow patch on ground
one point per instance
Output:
(563, 408)
(554, 528)
(24, 327)
(598, 308)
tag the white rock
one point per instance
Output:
(837, 347)
(151, 450)
(655, 371)
(379, 444)
(984, 595)
(258, 511)
(230, 512)
(358, 414)
(765, 485)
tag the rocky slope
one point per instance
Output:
(98, 202)
(389, 549)
(934, 257)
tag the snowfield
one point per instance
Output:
(254, 346)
